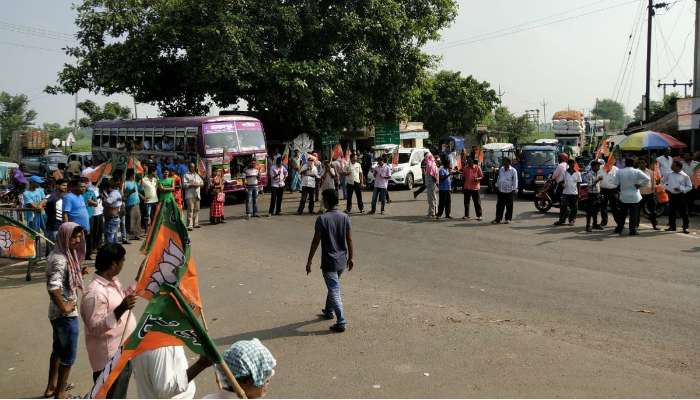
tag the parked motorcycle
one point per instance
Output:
(547, 198)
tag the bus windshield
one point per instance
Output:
(250, 136)
(219, 136)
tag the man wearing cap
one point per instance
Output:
(34, 198)
(253, 366)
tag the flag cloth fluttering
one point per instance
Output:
(479, 154)
(16, 239)
(337, 152)
(167, 321)
(695, 177)
(168, 258)
(611, 161)
(118, 162)
(601, 149)
(285, 155)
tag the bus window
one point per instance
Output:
(190, 145)
(180, 144)
(113, 141)
(97, 139)
(158, 143)
(168, 143)
(250, 135)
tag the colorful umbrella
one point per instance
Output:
(650, 140)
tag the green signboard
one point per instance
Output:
(387, 133)
(329, 139)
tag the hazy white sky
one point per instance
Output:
(563, 52)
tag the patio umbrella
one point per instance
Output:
(650, 140)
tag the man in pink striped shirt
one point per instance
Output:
(104, 311)
(472, 184)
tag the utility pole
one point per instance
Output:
(696, 75)
(136, 111)
(75, 117)
(647, 92)
(685, 85)
(500, 94)
(544, 109)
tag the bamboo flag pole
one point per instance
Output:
(204, 322)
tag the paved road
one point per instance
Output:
(436, 309)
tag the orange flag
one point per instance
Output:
(16, 239)
(337, 152)
(601, 149)
(611, 161)
(168, 257)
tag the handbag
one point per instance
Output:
(220, 197)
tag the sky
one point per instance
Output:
(565, 53)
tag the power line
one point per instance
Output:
(628, 51)
(629, 65)
(35, 31)
(685, 43)
(524, 23)
(26, 46)
(471, 41)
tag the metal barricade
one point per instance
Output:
(20, 215)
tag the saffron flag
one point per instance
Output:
(16, 239)
(601, 149)
(285, 155)
(337, 152)
(395, 157)
(168, 259)
(609, 164)
(479, 154)
(118, 162)
(167, 321)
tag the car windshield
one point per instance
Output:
(540, 158)
(492, 158)
(404, 158)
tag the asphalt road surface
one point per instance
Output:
(435, 308)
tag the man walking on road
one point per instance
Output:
(354, 182)
(333, 231)
(571, 183)
(630, 179)
(382, 173)
(506, 186)
(609, 195)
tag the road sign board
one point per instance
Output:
(387, 133)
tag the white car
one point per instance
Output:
(407, 172)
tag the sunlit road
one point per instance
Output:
(436, 309)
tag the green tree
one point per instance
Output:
(15, 115)
(658, 108)
(111, 110)
(610, 109)
(508, 127)
(454, 105)
(56, 131)
(308, 65)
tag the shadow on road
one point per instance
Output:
(693, 250)
(12, 274)
(284, 331)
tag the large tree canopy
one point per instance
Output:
(308, 64)
(454, 105)
(15, 115)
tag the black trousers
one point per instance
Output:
(649, 201)
(96, 231)
(310, 193)
(609, 200)
(631, 209)
(568, 207)
(120, 386)
(276, 200)
(592, 208)
(678, 204)
(504, 202)
(472, 195)
(357, 190)
(444, 203)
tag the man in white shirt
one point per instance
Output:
(354, 182)
(571, 182)
(595, 176)
(506, 186)
(382, 173)
(163, 373)
(251, 186)
(665, 162)
(609, 195)
(689, 167)
(309, 174)
(630, 179)
(149, 183)
(678, 186)
(560, 171)
(192, 183)
(278, 174)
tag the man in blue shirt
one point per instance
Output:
(445, 194)
(74, 207)
(34, 198)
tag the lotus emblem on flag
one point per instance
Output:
(5, 240)
(173, 257)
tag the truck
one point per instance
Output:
(569, 129)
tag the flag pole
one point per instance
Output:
(204, 322)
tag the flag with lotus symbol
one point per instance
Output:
(167, 320)
(16, 239)
(168, 259)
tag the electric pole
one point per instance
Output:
(696, 75)
(544, 110)
(685, 85)
(647, 92)
(136, 111)
(500, 94)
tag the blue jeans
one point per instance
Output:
(334, 303)
(65, 339)
(381, 193)
(111, 229)
(251, 201)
